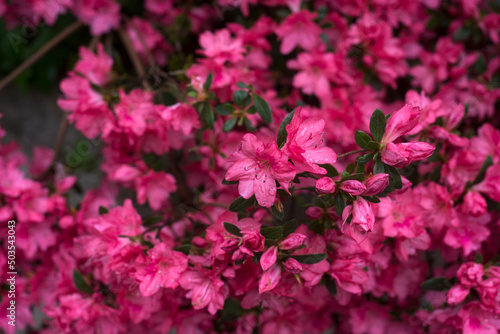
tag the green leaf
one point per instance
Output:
(379, 167)
(482, 173)
(242, 85)
(349, 169)
(359, 177)
(152, 220)
(263, 109)
(394, 177)
(249, 125)
(362, 139)
(240, 204)
(377, 125)
(330, 170)
(363, 159)
(224, 109)
(231, 311)
(241, 98)
(278, 215)
(339, 205)
(478, 258)
(208, 82)
(229, 124)
(437, 284)
(330, 284)
(233, 229)
(289, 227)
(372, 199)
(328, 200)
(360, 169)
(183, 249)
(273, 232)
(103, 210)
(80, 282)
(310, 258)
(207, 115)
(252, 110)
(282, 134)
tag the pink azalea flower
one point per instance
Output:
(298, 29)
(101, 15)
(348, 274)
(94, 67)
(145, 38)
(162, 268)
(469, 234)
(491, 183)
(205, 289)
(304, 144)
(220, 47)
(257, 164)
(156, 188)
(400, 123)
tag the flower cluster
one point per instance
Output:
(327, 165)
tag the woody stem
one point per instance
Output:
(350, 153)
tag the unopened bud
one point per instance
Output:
(230, 245)
(376, 184)
(293, 266)
(269, 257)
(293, 241)
(325, 185)
(353, 187)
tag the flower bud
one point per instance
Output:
(353, 187)
(474, 204)
(418, 150)
(401, 122)
(362, 215)
(457, 294)
(470, 274)
(269, 257)
(253, 240)
(393, 155)
(376, 184)
(270, 278)
(325, 185)
(314, 212)
(293, 266)
(199, 242)
(230, 244)
(238, 255)
(294, 240)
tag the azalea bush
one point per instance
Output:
(267, 166)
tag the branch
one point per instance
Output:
(134, 57)
(42, 51)
(350, 153)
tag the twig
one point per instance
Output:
(42, 51)
(134, 57)
(350, 153)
